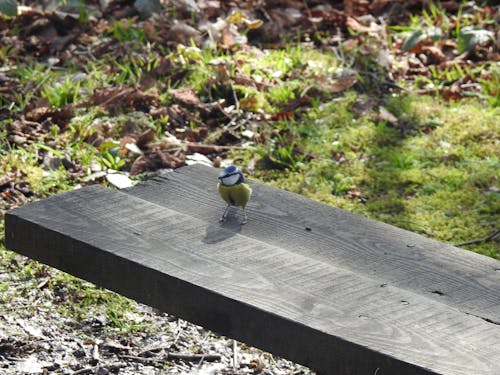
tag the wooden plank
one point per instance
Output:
(272, 283)
(462, 279)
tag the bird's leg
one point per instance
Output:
(245, 217)
(223, 217)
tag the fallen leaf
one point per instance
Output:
(154, 160)
(281, 116)
(123, 97)
(203, 149)
(435, 54)
(145, 138)
(186, 96)
(57, 116)
(6, 179)
(182, 33)
(342, 84)
(385, 115)
(354, 25)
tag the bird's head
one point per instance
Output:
(231, 176)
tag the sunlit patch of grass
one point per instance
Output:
(125, 30)
(99, 74)
(62, 92)
(42, 182)
(441, 183)
(285, 91)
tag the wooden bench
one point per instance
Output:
(334, 291)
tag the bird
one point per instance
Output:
(233, 189)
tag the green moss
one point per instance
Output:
(441, 183)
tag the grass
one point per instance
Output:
(443, 184)
(434, 172)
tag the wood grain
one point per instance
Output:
(391, 255)
(348, 296)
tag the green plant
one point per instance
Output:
(61, 93)
(283, 153)
(340, 184)
(132, 68)
(112, 159)
(125, 31)
(489, 79)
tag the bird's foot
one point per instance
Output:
(224, 215)
(245, 218)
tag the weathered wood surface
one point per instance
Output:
(318, 285)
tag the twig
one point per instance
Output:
(153, 349)
(194, 357)
(175, 356)
(179, 332)
(235, 97)
(488, 238)
(86, 370)
(142, 359)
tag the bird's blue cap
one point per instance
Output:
(230, 172)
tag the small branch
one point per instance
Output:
(175, 356)
(194, 357)
(235, 97)
(488, 238)
(87, 370)
(142, 359)
(153, 349)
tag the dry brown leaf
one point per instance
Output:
(293, 104)
(155, 160)
(145, 138)
(59, 116)
(123, 97)
(204, 149)
(342, 84)
(6, 179)
(377, 6)
(434, 53)
(182, 33)
(354, 25)
(356, 7)
(187, 96)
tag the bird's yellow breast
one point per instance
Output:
(235, 195)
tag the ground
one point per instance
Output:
(386, 109)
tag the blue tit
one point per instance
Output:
(233, 190)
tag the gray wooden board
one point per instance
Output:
(348, 296)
